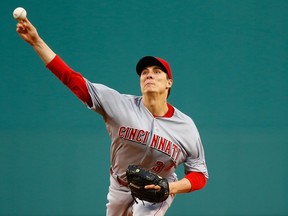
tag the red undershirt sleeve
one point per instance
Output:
(73, 80)
(197, 180)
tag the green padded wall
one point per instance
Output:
(230, 65)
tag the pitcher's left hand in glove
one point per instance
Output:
(138, 178)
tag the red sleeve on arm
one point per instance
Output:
(197, 180)
(73, 80)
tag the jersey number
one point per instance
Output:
(157, 168)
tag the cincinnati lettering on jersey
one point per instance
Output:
(157, 142)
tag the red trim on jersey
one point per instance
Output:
(73, 80)
(169, 113)
(197, 180)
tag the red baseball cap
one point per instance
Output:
(153, 61)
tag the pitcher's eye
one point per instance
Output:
(144, 72)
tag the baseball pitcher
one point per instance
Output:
(150, 138)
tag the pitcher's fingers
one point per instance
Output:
(29, 26)
(156, 187)
(19, 28)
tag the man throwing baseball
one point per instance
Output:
(146, 132)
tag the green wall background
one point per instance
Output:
(229, 60)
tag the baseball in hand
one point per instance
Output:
(19, 13)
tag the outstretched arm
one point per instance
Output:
(73, 80)
(29, 33)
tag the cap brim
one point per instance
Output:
(148, 61)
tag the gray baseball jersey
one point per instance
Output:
(137, 137)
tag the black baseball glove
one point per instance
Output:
(138, 178)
